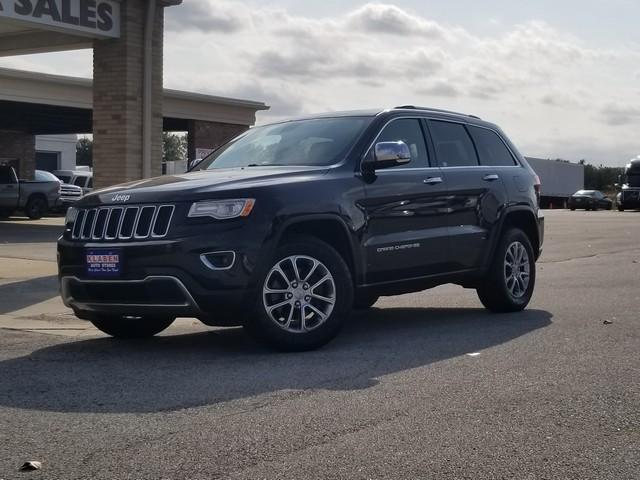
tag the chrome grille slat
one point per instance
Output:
(143, 222)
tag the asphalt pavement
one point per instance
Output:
(422, 386)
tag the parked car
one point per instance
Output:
(288, 226)
(589, 200)
(79, 178)
(32, 197)
(69, 194)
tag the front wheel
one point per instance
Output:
(304, 296)
(131, 327)
(509, 284)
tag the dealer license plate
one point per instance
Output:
(104, 262)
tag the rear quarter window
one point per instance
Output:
(491, 149)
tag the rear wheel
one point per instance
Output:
(509, 284)
(304, 297)
(131, 327)
(36, 208)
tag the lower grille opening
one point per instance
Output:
(157, 291)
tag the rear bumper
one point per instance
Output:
(540, 220)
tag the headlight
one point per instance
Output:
(222, 209)
(70, 217)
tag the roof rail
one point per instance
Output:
(414, 107)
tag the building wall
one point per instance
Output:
(118, 69)
(19, 150)
(210, 135)
(65, 145)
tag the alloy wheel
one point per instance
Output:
(299, 293)
(517, 269)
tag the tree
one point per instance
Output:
(174, 147)
(84, 152)
(601, 177)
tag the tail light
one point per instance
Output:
(536, 187)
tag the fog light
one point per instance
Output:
(219, 260)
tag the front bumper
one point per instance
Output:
(164, 277)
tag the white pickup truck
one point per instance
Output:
(32, 197)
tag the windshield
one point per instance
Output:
(633, 178)
(315, 142)
(589, 193)
(44, 176)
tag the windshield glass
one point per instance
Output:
(589, 193)
(316, 142)
(44, 176)
(633, 178)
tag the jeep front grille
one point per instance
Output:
(122, 223)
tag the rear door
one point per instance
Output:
(476, 190)
(9, 188)
(406, 230)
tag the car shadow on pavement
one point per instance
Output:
(26, 231)
(18, 295)
(169, 373)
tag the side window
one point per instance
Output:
(452, 144)
(491, 148)
(410, 132)
(79, 181)
(90, 183)
(6, 175)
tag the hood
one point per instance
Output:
(200, 184)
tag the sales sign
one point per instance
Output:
(96, 18)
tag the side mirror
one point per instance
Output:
(388, 154)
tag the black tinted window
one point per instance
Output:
(6, 175)
(491, 148)
(79, 181)
(409, 131)
(453, 144)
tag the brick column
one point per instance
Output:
(118, 69)
(18, 149)
(210, 135)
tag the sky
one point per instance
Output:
(561, 77)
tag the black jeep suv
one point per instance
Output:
(289, 226)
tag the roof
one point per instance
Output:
(25, 87)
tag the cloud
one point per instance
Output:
(207, 17)
(440, 88)
(539, 82)
(387, 19)
(618, 115)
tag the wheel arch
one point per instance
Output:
(331, 229)
(520, 217)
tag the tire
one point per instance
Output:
(364, 301)
(120, 327)
(5, 214)
(572, 209)
(500, 294)
(302, 321)
(36, 208)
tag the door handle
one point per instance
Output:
(492, 177)
(432, 180)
